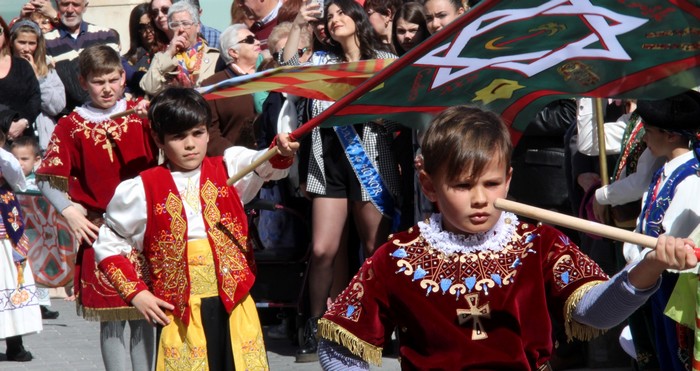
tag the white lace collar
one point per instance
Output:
(98, 115)
(450, 243)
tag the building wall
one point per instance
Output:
(112, 14)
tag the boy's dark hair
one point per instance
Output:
(27, 141)
(176, 110)
(98, 60)
(465, 139)
(678, 114)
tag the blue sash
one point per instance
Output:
(366, 173)
(653, 213)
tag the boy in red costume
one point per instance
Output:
(88, 155)
(191, 228)
(473, 288)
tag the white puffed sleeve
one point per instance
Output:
(12, 171)
(125, 221)
(236, 158)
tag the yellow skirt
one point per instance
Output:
(185, 347)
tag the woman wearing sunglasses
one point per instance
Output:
(331, 180)
(144, 44)
(232, 118)
(187, 60)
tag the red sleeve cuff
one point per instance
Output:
(122, 275)
(278, 161)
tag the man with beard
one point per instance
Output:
(68, 39)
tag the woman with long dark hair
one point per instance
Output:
(19, 88)
(144, 44)
(410, 28)
(332, 179)
(27, 42)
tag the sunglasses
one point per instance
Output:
(145, 27)
(156, 11)
(250, 39)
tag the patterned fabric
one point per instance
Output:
(51, 244)
(165, 242)
(12, 227)
(632, 147)
(657, 201)
(188, 64)
(487, 309)
(19, 300)
(316, 80)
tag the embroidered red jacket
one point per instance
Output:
(165, 241)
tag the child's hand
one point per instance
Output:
(141, 108)
(285, 146)
(669, 253)
(150, 306)
(81, 227)
(674, 253)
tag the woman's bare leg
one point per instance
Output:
(372, 226)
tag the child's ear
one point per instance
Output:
(427, 185)
(83, 83)
(154, 135)
(509, 177)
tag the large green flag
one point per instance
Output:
(515, 56)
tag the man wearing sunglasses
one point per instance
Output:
(68, 39)
(232, 118)
(187, 60)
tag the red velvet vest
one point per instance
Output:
(165, 241)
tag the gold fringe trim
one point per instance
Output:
(333, 332)
(58, 182)
(109, 314)
(575, 329)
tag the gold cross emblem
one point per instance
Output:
(108, 146)
(474, 313)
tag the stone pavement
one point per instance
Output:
(71, 343)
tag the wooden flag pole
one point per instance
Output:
(259, 161)
(122, 114)
(586, 226)
(581, 225)
(602, 157)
